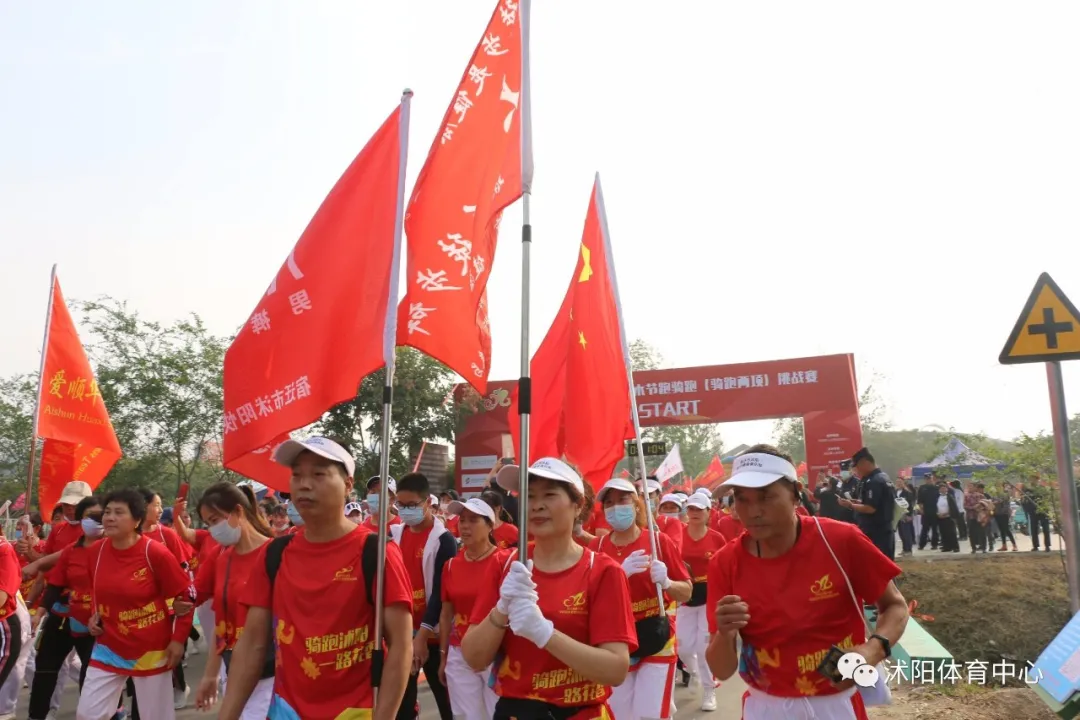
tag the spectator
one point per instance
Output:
(874, 508)
(1035, 501)
(957, 491)
(1003, 520)
(927, 497)
(906, 528)
(974, 504)
(827, 491)
(947, 512)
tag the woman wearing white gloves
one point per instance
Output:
(646, 692)
(559, 631)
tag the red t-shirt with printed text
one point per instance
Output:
(130, 588)
(412, 552)
(799, 604)
(643, 600)
(227, 566)
(698, 553)
(61, 536)
(461, 582)
(589, 602)
(74, 572)
(506, 535)
(325, 631)
(10, 577)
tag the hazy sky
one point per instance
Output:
(782, 179)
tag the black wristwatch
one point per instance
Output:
(884, 643)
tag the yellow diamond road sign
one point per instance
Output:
(1048, 328)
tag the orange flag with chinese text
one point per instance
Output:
(327, 319)
(479, 163)
(80, 443)
(580, 389)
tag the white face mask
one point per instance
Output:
(225, 534)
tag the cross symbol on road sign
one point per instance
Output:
(1050, 329)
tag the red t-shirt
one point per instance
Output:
(412, 552)
(799, 604)
(461, 583)
(643, 600)
(61, 535)
(206, 549)
(506, 535)
(671, 527)
(325, 629)
(698, 553)
(597, 521)
(729, 527)
(27, 585)
(235, 569)
(10, 577)
(171, 540)
(74, 572)
(800, 510)
(589, 602)
(372, 523)
(451, 524)
(131, 588)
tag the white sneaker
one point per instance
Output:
(193, 647)
(180, 698)
(708, 700)
(7, 716)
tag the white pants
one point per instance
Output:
(759, 706)
(470, 696)
(205, 613)
(101, 695)
(9, 692)
(645, 694)
(692, 636)
(258, 705)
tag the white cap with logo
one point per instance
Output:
(287, 452)
(473, 505)
(616, 484)
(758, 470)
(548, 468)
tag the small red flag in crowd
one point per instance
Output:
(479, 163)
(574, 415)
(327, 319)
(80, 443)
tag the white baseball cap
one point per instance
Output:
(391, 484)
(703, 491)
(699, 501)
(653, 485)
(352, 507)
(757, 470)
(75, 492)
(473, 505)
(616, 484)
(548, 468)
(673, 498)
(287, 452)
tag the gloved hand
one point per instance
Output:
(526, 621)
(638, 562)
(518, 583)
(658, 574)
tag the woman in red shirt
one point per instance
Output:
(700, 543)
(463, 576)
(559, 629)
(136, 636)
(506, 533)
(793, 587)
(241, 532)
(646, 692)
(11, 625)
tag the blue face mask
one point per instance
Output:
(411, 516)
(294, 515)
(373, 503)
(620, 517)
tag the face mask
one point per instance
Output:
(280, 524)
(444, 507)
(225, 534)
(670, 515)
(620, 517)
(71, 522)
(355, 519)
(373, 503)
(411, 516)
(294, 515)
(91, 528)
(845, 474)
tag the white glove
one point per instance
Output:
(658, 574)
(518, 583)
(526, 621)
(638, 562)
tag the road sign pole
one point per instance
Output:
(1070, 527)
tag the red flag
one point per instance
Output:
(574, 415)
(712, 474)
(327, 319)
(80, 443)
(480, 163)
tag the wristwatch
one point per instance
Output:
(884, 643)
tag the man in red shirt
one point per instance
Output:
(372, 499)
(792, 588)
(318, 593)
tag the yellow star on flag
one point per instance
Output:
(586, 271)
(581, 339)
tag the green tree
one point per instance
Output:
(423, 410)
(17, 399)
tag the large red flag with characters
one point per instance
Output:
(580, 389)
(327, 319)
(80, 443)
(479, 163)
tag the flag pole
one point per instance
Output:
(37, 398)
(389, 334)
(525, 381)
(642, 471)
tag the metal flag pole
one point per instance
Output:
(37, 398)
(642, 471)
(389, 335)
(1070, 529)
(524, 386)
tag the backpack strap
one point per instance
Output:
(274, 553)
(369, 561)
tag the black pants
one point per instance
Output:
(84, 648)
(56, 644)
(949, 540)
(978, 535)
(906, 528)
(929, 527)
(1040, 520)
(409, 709)
(961, 527)
(10, 645)
(1004, 530)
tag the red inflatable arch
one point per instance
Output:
(822, 390)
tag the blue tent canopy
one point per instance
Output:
(959, 459)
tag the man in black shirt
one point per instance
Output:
(827, 493)
(874, 508)
(927, 497)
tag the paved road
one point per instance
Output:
(688, 700)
